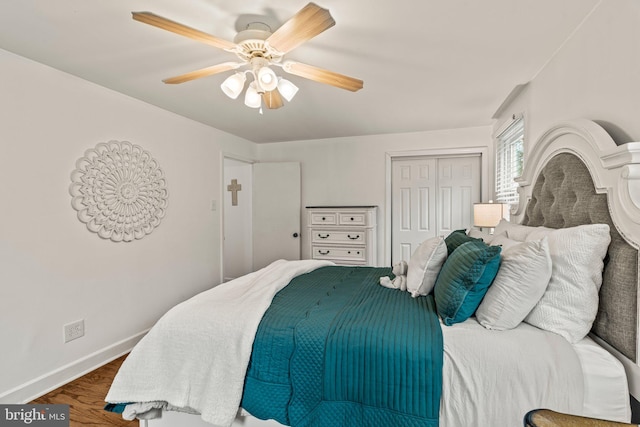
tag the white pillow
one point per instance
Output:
(514, 231)
(521, 233)
(502, 227)
(486, 237)
(504, 241)
(425, 265)
(520, 283)
(570, 303)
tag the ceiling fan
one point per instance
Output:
(258, 49)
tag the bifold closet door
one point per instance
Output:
(458, 189)
(431, 196)
(413, 198)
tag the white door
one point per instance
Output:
(413, 199)
(431, 197)
(458, 189)
(276, 212)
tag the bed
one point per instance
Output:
(307, 343)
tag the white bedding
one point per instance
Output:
(529, 368)
(588, 367)
(584, 367)
(187, 361)
(605, 383)
(536, 368)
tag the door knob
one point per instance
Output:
(295, 234)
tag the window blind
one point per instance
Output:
(509, 161)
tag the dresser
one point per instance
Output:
(345, 235)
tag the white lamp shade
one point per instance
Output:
(267, 79)
(487, 215)
(287, 89)
(232, 86)
(251, 97)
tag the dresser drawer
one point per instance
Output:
(338, 236)
(323, 218)
(345, 235)
(339, 253)
(352, 218)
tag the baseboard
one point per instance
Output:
(45, 383)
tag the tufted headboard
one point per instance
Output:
(564, 195)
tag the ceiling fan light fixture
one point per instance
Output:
(232, 86)
(287, 89)
(267, 79)
(252, 98)
(259, 48)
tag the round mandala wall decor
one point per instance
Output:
(119, 191)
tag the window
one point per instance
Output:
(509, 160)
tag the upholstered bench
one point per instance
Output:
(547, 418)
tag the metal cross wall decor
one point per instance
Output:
(234, 187)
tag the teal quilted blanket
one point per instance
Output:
(337, 349)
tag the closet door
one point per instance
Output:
(413, 198)
(458, 189)
(431, 196)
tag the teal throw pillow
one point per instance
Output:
(464, 279)
(457, 238)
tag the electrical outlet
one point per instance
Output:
(73, 330)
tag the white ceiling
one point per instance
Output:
(426, 64)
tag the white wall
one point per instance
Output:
(594, 75)
(238, 229)
(351, 171)
(52, 269)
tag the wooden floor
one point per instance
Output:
(86, 398)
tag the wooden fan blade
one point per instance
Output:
(310, 21)
(323, 76)
(273, 99)
(183, 30)
(204, 72)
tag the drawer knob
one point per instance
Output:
(356, 237)
(323, 237)
(324, 218)
(351, 218)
